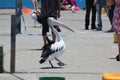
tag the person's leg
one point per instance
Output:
(99, 20)
(111, 11)
(87, 16)
(33, 2)
(118, 38)
(45, 29)
(106, 10)
(93, 25)
(68, 7)
(44, 39)
(109, 14)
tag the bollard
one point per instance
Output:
(115, 38)
(13, 43)
(111, 76)
(1, 59)
(51, 78)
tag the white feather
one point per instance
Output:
(57, 45)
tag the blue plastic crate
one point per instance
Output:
(12, 3)
(81, 4)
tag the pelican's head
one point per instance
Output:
(42, 61)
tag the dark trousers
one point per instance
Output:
(89, 7)
(111, 11)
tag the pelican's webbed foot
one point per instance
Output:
(60, 63)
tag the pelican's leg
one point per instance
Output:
(60, 63)
(51, 64)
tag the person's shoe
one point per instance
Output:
(117, 58)
(111, 30)
(93, 27)
(86, 28)
(99, 29)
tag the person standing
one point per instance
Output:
(111, 7)
(90, 5)
(116, 25)
(49, 8)
(99, 5)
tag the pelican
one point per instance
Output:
(52, 50)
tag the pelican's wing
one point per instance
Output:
(47, 51)
(56, 22)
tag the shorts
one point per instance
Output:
(45, 27)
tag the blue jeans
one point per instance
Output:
(98, 8)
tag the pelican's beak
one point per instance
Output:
(58, 23)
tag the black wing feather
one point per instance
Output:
(47, 50)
